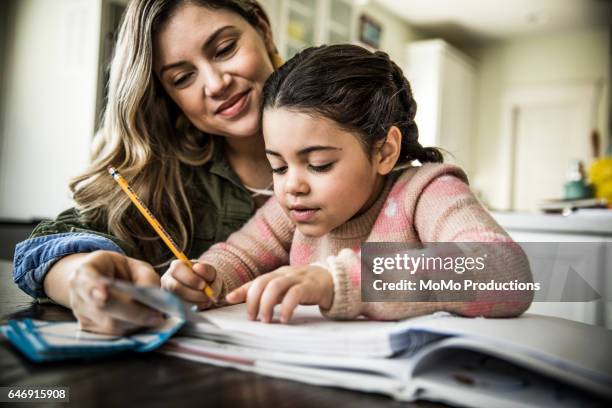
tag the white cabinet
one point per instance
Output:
(305, 23)
(443, 82)
(578, 228)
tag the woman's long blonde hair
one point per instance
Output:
(139, 136)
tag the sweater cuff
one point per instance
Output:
(345, 271)
(218, 287)
(227, 270)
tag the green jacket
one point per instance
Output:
(220, 206)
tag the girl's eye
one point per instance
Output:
(181, 80)
(279, 170)
(226, 49)
(322, 168)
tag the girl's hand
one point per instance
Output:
(187, 283)
(290, 286)
(97, 308)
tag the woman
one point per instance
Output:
(182, 123)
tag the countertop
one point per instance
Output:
(591, 222)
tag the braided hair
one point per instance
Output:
(363, 92)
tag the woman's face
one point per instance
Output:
(213, 64)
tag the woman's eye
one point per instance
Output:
(322, 168)
(279, 170)
(226, 49)
(180, 80)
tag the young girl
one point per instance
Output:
(339, 128)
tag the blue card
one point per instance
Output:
(51, 341)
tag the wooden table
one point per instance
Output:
(152, 379)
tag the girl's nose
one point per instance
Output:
(216, 81)
(295, 184)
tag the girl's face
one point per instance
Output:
(322, 176)
(213, 65)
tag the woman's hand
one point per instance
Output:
(290, 286)
(187, 283)
(96, 306)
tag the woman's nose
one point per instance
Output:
(216, 81)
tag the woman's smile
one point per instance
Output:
(234, 105)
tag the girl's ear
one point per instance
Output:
(388, 152)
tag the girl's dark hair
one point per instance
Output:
(361, 91)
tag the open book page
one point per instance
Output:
(306, 320)
(310, 332)
(355, 380)
(566, 350)
(480, 380)
(469, 360)
(449, 375)
(398, 368)
(579, 349)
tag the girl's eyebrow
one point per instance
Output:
(306, 150)
(210, 40)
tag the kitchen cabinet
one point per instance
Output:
(443, 82)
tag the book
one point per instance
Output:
(42, 341)
(526, 361)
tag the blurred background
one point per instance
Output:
(517, 92)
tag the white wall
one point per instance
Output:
(7, 9)
(565, 58)
(272, 9)
(395, 33)
(49, 104)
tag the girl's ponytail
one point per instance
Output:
(430, 155)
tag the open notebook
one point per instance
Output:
(475, 362)
(525, 361)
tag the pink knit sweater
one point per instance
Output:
(431, 203)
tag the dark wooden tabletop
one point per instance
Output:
(153, 379)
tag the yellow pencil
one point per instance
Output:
(155, 224)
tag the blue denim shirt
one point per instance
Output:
(35, 256)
